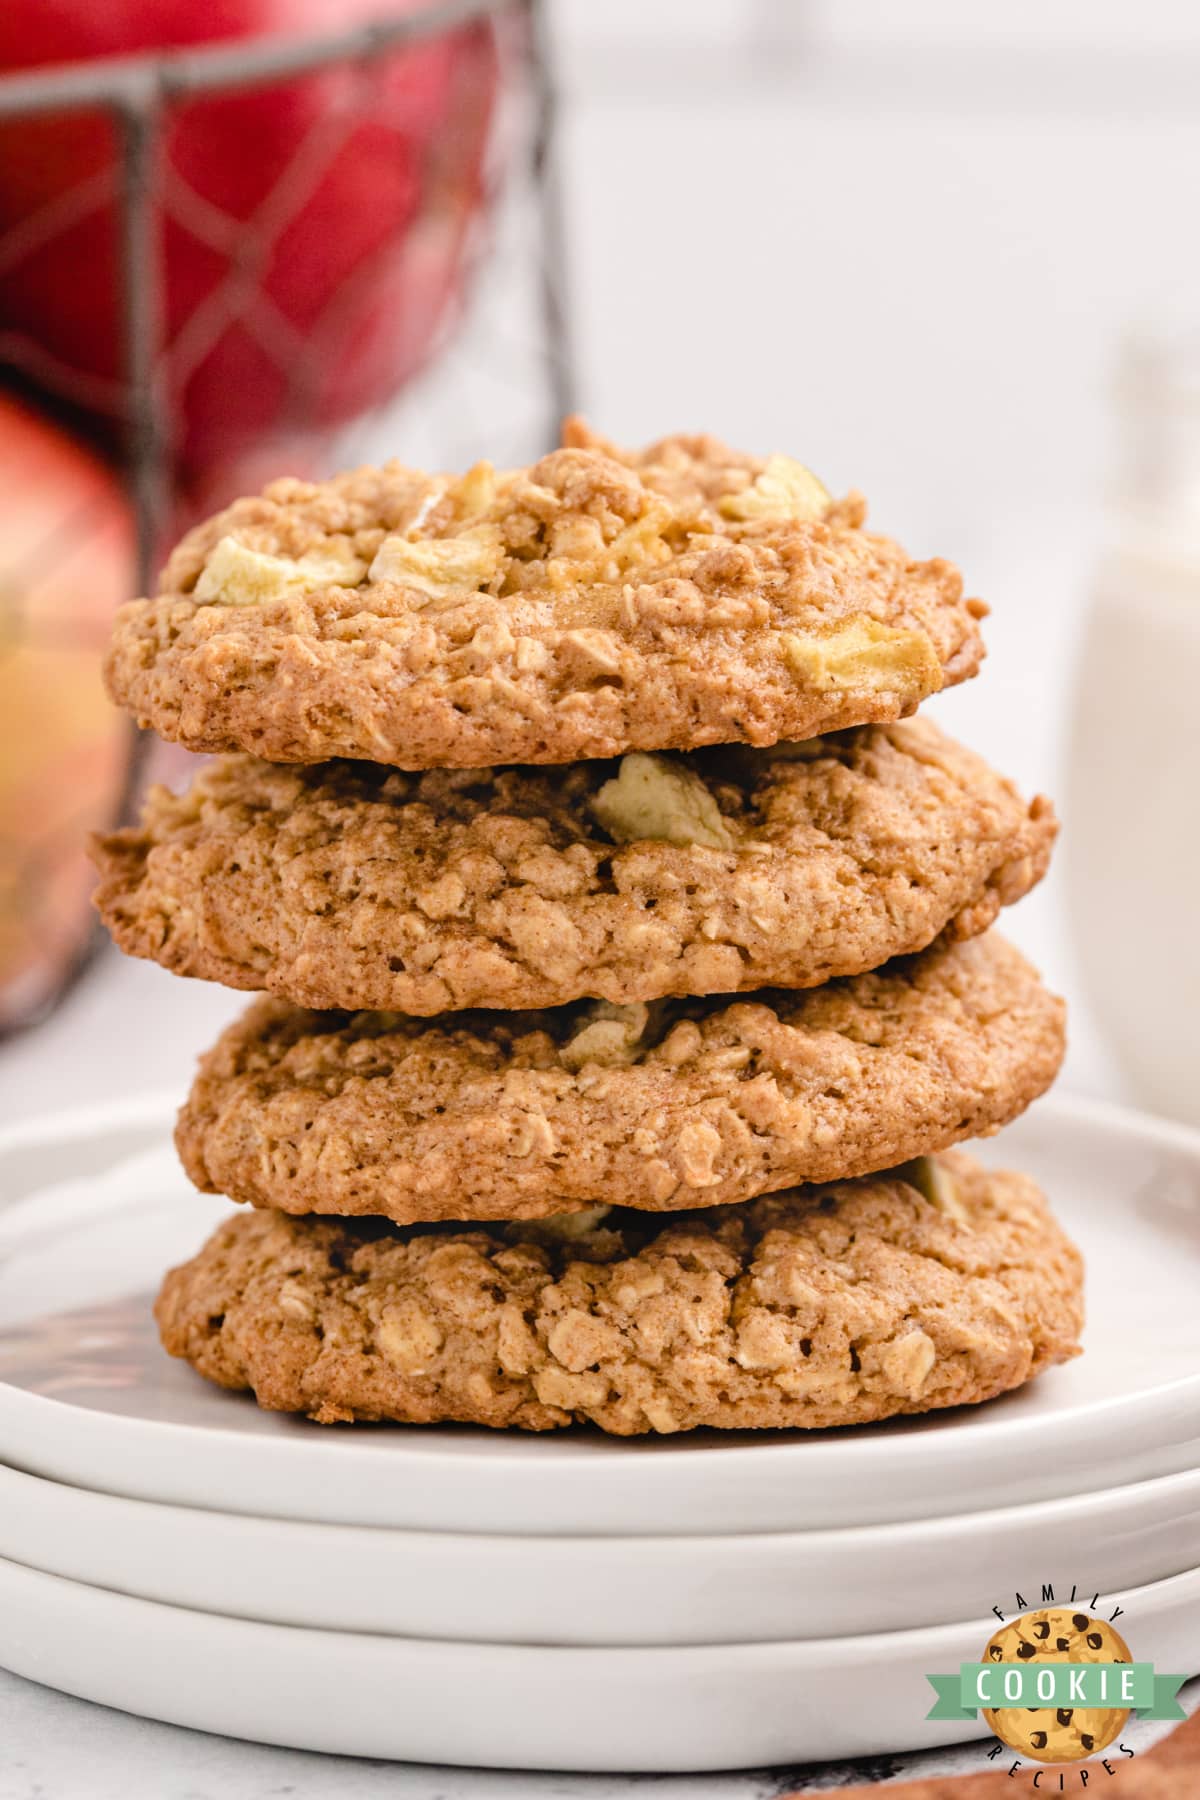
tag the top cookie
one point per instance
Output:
(598, 602)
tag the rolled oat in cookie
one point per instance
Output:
(824, 1306)
(598, 602)
(491, 1115)
(347, 885)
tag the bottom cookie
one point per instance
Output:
(935, 1285)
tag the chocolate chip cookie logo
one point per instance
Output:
(1057, 1686)
(1057, 1636)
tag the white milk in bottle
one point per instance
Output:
(1132, 820)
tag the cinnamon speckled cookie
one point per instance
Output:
(824, 1306)
(598, 602)
(495, 1116)
(347, 885)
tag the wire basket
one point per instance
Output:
(375, 268)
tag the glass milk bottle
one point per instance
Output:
(1132, 831)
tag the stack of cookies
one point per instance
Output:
(628, 967)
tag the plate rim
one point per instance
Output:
(677, 1719)
(922, 1639)
(1022, 1514)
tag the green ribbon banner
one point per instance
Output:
(1033, 1684)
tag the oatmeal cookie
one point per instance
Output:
(824, 1306)
(497, 1116)
(348, 885)
(597, 602)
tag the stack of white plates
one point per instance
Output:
(570, 1601)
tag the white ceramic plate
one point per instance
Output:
(87, 1397)
(600, 1591)
(506, 1706)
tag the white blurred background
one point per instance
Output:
(902, 243)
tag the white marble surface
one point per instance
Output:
(56, 1748)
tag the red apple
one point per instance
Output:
(312, 232)
(66, 563)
